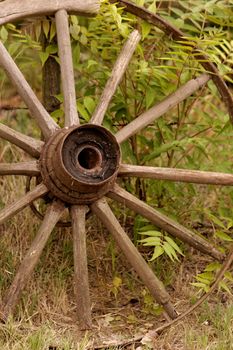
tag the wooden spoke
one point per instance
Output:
(12, 10)
(155, 286)
(23, 168)
(116, 76)
(180, 175)
(43, 119)
(78, 214)
(21, 203)
(31, 258)
(164, 222)
(67, 72)
(162, 107)
(28, 144)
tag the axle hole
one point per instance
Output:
(89, 158)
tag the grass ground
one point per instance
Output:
(210, 328)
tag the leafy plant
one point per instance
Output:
(149, 304)
(222, 229)
(161, 242)
(207, 277)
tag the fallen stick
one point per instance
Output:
(226, 265)
(205, 296)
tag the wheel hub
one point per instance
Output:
(79, 164)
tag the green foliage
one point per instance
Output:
(206, 278)
(149, 304)
(222, 229)
(116, 285)
(162, 243)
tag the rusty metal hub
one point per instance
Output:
(79, 164)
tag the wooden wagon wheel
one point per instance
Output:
(79, 164)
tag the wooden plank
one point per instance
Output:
(67, 71)
(12, 209)
(118, 71)
(28, 144)
(179, 175)
(164, 222)
(47, 125)
(81, 282)
(21, 168)
(12, 10)
(162, 107)
(155, 286)
(31, 258)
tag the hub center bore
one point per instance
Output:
(79, 164)
(89, 158)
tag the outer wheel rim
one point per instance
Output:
(99, 207)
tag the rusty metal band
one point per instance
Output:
(38, 213)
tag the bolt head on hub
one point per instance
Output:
(79, 164)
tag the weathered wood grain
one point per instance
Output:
(31, 258)
(22, 168)
(67, 71)
(162, 107)
(155, 286)
(12, 209)
(164, 222)
(38, 112)
(28, 144)
(116, 76)
(179, 175)
(12, 10)
(78, 214)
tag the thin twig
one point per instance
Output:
(10, 108)
(124, 343)
(220, 275)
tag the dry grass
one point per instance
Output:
(210, 329)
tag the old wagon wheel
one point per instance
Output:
(78, 165)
